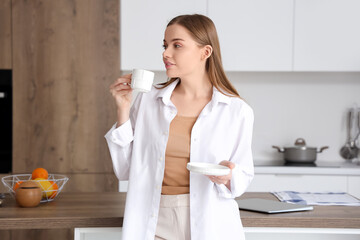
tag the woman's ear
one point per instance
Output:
(207, 51)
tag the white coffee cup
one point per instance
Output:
(142, 80)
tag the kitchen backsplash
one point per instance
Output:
(311, 105)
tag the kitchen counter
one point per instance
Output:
(321, 168)
(320, 217)
(79, 210)
(68, 210)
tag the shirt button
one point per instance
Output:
(195, 139)
(165, 133)
(114, 139)
(160, 159)
(158, 187)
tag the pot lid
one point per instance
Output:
(301, 144)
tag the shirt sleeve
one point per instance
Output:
(120, 142)
(243, 172)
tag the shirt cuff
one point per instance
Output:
(223, 191)
(123, 135)
(234, 184)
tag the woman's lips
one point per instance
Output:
(168, 64)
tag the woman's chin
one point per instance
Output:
(169, 74)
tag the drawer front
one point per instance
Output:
(302, 183)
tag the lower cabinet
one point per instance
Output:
(250, 233)
(110, 233)
(301, 234)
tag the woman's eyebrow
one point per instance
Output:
(175, 39)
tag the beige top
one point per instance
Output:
(177, 155)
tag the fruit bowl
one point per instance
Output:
(50, 187)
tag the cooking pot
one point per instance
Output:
(300, 153)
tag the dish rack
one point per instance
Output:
(49, 194)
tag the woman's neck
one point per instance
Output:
(195, 87)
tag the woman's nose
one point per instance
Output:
(166, 53)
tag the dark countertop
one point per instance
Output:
(76, 210)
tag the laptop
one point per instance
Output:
(270, 206)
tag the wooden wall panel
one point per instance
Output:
(5, 34)
(3, 189)
(84, 182)
(98, 182)
(66, 54)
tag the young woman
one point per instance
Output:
(196, 116)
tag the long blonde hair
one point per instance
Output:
(204, 33)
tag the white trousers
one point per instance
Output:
(174, 218)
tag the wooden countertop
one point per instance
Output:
(68, 210)
(74, 210)
(320, 217)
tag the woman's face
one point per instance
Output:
(182, 56)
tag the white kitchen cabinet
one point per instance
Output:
(254, 35)
(109, 233)
(296, 182)
(257, 35)
(354, 186)
(250, 233)
(301, 233)
(327, 35)
(142, 26)
(285, 35)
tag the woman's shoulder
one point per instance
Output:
(234, 103)
(240, 106)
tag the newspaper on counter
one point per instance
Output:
(317, 198)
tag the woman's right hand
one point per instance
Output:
(122, 93)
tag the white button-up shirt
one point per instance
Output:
(223, 131)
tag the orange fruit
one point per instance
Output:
(54, 188)
(40, 173)
(46, 187)
(17, 185)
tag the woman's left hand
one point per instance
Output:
(223, 179)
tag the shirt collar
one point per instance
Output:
(165, 93)
(217, 96)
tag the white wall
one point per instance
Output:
(311, 105)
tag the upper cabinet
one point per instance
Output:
(254, 35)
(5, 34)
(327, 35)
(142, 26)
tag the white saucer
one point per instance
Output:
(208, 168)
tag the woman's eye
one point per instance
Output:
(177, 45)
(164, 46)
